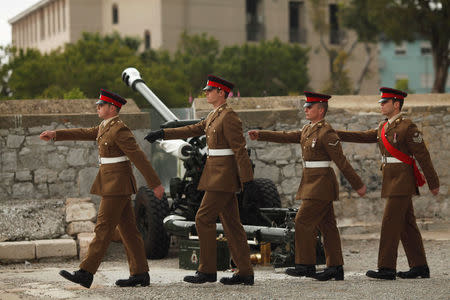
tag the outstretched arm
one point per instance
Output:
(334, 149)
(278, 136)
(368, 136)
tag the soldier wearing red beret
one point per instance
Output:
(115, 183)
(401, 144)
(318, 189)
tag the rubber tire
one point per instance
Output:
(271, 197)
(264, 195)
(149, 213)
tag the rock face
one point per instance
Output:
(31, 219)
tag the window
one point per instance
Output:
(334, 25)
(255, 25)
(147, 41)
(400, 49)
(115, 14)
(425, 48)
(297, 32)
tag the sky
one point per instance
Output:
(8, 10)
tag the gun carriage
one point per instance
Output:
(261, 214)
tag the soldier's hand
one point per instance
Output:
(47, 135)
(362, 191)
(159, 191)
(253, 134)
(152, 136)
(435, 191)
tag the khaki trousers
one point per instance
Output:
(224, 205)
(316, 215)
(399, 223)
(116, 211)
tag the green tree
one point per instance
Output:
(74, 93)
(195, 57)
(354, 15)
(266, 69)
(410, 19)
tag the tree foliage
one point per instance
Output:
(95, 61)
(412, 19)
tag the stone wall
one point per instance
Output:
(282, 162)
(34, 169)
(31, 169)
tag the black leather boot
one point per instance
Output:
(238, 279)
(382, 273)
(302, 270)
(200, 277)
(336, 272)
(138, 279)
(81, 277)
(414, 272)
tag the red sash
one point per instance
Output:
(420, 179)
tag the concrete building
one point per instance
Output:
(52, 23)
(411, 62)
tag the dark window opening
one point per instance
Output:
(334, 25)
(147, 41)
(115, 14)
(297, 32)
(255, 24)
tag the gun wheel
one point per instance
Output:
(150, 212)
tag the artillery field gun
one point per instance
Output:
(261, 213)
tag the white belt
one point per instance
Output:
(317, 164)
(220, 152)
(112, 160)
(390, 160)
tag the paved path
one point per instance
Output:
(40, 280)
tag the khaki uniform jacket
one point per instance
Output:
(403, 134)
(319, 143)
(115, 139)
(223, 130)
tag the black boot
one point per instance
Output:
(302, 270)
(81, 277)
(238, 279)
(138, 279)
(414, 272)
(200, 277)
(382, 273)
(336, 272)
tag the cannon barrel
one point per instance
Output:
(132, 78)
(177, 225)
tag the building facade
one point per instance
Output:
(411, 63)
(50, 24)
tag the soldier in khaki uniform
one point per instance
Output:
(227, 168)
(115, 183)
(318, 189)
(400, 181)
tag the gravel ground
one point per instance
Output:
(40, 280)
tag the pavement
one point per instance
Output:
(39, 279)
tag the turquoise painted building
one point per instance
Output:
(410, 62)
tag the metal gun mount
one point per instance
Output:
(177, 148)
(132, 78)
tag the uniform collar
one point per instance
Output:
(317, 123)
(392, 120)
(221, 107)
(106, 122)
